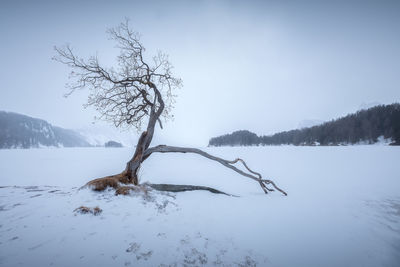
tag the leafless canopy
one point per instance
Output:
(127, 95)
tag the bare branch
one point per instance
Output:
(160, 123)
(229, 164)
(124, 96)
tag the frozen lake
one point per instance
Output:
(342, 209)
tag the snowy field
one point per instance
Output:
(342, 209)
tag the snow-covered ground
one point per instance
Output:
(343, 209)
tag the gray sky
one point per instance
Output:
(264, 66)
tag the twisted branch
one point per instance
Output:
(227, 163)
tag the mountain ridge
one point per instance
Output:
(22, 131)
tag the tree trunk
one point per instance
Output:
(133, 166)
(142, 152)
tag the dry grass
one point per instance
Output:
(96, 211)
(115, 182)
(85, 210)
(126, 190)
(100, 184)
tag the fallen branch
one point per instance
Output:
(227, 163)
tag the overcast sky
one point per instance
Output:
(264, 66)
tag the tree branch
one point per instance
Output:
(229, 164)
(124, 95)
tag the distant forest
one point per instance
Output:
(364, 126)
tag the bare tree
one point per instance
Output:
(134, 93)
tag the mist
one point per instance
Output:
(264, 66)
(282, 148)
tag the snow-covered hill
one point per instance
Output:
(20, 131)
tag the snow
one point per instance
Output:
(343, 209)
(98, 135)
(368, 105)
(381, 141)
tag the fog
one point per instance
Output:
(264, 66)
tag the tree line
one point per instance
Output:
(363, 126)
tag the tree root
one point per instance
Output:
(182, 188)
(102, 184)
(115, 181)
